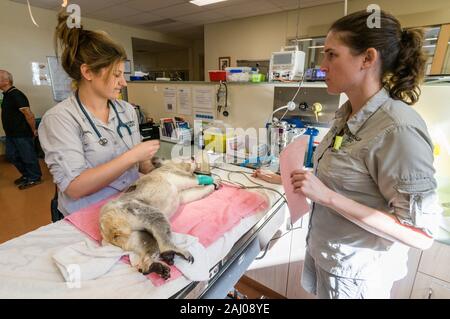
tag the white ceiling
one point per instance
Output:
(176, 17)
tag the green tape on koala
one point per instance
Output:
(205, 180)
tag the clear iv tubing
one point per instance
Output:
(285, 106)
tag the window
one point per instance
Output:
(429, 46)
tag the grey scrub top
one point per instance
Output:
(385, 162)
(71, 146)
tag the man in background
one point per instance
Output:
(20, 129)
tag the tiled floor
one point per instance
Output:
(22, 211)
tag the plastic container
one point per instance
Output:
(217, 75)
(238, 74)
(258, 77)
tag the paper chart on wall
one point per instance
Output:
(61, 82)
(41, 75)
(204, 97)
(170, 99)
(184, 100)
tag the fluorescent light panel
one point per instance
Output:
(205, 2)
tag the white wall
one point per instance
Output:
(251, 104)
(258, 37)
(23, 43)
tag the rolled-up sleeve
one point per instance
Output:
(63, 147)
(401, 162)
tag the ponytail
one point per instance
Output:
(93, 48)
(409, 70)
(68, 40)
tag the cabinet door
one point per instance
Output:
(272, 270)
(402, 288)
(435, 261)
(427, 287)
(297, 258)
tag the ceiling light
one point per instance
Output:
(205, 2)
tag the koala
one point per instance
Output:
(138, 220)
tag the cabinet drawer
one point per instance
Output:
(427, 287)
(435, 261)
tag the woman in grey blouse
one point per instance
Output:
(373, 188)
(374, 193)
(91, 140)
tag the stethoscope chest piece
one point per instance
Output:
(103, 141)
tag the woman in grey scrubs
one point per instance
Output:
(91, 140)
(373, 187)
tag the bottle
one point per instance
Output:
(201, 140)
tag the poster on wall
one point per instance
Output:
(61, 82)
(170, 99)
(184, 100)
(204, 97)
(41, 75)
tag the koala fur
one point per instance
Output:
(138, 220)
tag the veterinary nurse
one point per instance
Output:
(374, 194)
(91, 140)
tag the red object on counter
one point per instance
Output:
(216, 76)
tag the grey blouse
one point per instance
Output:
(385, 162)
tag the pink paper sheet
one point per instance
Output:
(207, 219)
(292, 158)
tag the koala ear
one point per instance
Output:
(156, 162)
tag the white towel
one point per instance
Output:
(199, 269)
(87, 261)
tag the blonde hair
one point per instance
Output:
(93, 48)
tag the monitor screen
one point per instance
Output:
(321, 74)
(282, 58)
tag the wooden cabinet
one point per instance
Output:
(281, 268)
(427, 287)
(297, 257)
(272, 266)
(436, 261)
(402, 288)
(433, 277)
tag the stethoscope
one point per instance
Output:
(103, 140)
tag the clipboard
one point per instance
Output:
(292, 158)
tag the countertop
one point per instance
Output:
(442, 236)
